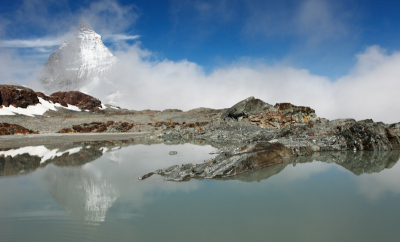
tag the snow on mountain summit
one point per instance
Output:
(77, 61)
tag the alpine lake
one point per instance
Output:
(89, 191)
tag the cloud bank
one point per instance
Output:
(141, 81)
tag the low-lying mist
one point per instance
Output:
(141, 81)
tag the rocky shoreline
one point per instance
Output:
(250, 135)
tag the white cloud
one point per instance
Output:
(32, 43)
(162, 84)
(56, 41)
(109, 17)
(143, 83)
(370, 90)
(14, 70)
(119, 37)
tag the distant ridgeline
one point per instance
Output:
(77, 61)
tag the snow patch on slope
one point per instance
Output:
(38, 109)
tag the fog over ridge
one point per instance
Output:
(140, 82)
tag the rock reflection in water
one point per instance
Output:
(19, 164)
(81, 192)
(363, 162)
(357, 162)
(28, 159)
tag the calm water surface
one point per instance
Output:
(90, 192)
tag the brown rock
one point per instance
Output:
(17, 96)
(42, 95)
(267, 116)
(79, 99)
(10, 129)
(99, 127)
(393, 138)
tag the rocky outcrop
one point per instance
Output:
(17, 96)
(233, 162)
(253, 122)
(22, 97)
(396, 128)
(79, 99)
(245, 108)
(11, 129)
(342, 134)
(264, 115)
(369, 136)
(99, 127)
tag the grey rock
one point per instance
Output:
(173, 152)
(245, 108)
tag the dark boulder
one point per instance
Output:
(368, 136)
(17, 96)
(11, 129)
(245, 108)
(264, 115)
(79, 99)
(99, 127)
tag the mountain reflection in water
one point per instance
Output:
(81, 192)
(91, 188)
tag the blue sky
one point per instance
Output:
(339, 57)
(321, 36)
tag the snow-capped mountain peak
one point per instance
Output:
(84, 26)
(77, 61)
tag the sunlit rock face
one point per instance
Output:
(77, 61)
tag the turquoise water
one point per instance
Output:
(101, 198)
